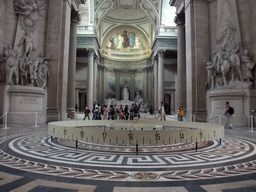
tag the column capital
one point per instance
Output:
(180, 19)
(133, 70)
(75, 17)
(160, 53)
(90, 52)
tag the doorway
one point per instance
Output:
(167, 103)
(82, 101)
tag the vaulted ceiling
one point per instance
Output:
(127, 11)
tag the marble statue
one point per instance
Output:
(210, 74)
(110, 101)
(138, 99)
(247, 66)
(235, 66)
(223, 66)
(24, 7)
(33, 71)
(2, 69)
(12, 63)
(24, 71)
(144, 106)
(26, 39)
(43, 74)
(125, 93)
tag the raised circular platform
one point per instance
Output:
(143, 132)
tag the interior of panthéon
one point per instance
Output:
(127, 95)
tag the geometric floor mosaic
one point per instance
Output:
(32, 161)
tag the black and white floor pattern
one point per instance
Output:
(31, 161)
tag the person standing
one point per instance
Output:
(162, 111)
(105, 112)
(228, 123)
(100, 111)
(136, 111)
(126, 113)
(132, 112)
(86, 113)
(76, 107)
(181, 112)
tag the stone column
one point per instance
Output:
(90, 90)
(100, 95)
(160, 77)
(104, 84)
(151, 78)
(180, 85)
(147, 83)
(132, 96)
(2, 25)
(155, 84)
(72, 63)
(95, 79)
(57, 47)
(118, 85)
(197, 54)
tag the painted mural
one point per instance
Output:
(111, 86)
(125, 41)
(125, 44)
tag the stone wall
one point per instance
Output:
(42, 28)
(11, 23)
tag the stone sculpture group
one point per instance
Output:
(21, 64)
(230, 65)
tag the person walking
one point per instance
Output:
(181, 112)
(162, 111)
(228, 114)
(86, 113)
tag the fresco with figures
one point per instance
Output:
(125, 44)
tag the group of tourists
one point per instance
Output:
(128, 113)
(112, 112)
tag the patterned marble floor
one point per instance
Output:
(30, 160)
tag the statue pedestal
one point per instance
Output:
(23, 104)
(124, 102)
(242, 100)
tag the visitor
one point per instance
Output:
(136, 111)
(132, 112)
(105, 112)
(100, 111)
(228, 123)
(180, 112)
(115, 112)
(121, 113)
(86, 113)
(111, 112)
(69, 115)
(126, 112)
(162, 111)
(96, 113)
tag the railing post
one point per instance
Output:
(36, 113)
(251, 117)
(5, 123)
(191, 118)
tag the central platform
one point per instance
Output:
(144, 132)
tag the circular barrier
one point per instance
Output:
(143, 132)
